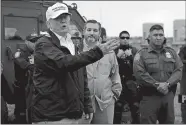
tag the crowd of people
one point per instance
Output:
(86, 78)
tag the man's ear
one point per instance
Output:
(165, 40)
(148, 39)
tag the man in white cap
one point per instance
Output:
(60, 96)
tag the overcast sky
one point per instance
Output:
(116, 16)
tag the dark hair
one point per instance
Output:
(156, 27)
(93, 21)
(103, 32)
(122, 32)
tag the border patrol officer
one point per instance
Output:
(125, 55)
(23, 64)
(182, 54)
(158, 69)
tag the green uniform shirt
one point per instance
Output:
(151, 66)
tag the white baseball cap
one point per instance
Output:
(55, 10)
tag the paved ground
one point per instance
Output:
(177, 111)
(177, 108)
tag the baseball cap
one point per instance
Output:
(55, 10)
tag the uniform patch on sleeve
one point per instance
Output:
(168, 55)
(137, 57)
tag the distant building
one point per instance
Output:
(136, 42)
(179, 30)
(179, 33)
(169, 41)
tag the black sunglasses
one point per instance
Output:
(76, 38)
(124, 37)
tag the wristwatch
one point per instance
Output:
(156, 85)
(168, 84)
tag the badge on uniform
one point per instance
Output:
(168, 55)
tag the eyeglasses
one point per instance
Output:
(125, 38)
(76, 38)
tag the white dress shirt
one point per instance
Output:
(67, 42)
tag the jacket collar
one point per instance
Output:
(54, 38)
(55, 41)
(150, 49)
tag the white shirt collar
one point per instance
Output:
(68, 36)
(58, 36)
(67, 42)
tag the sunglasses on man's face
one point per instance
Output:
(76, 38)
(124, 37)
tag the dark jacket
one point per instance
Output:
(129, 91)
(126, 65)
(58, 91)
(22, 68)
(6, 91)
(83, 84)
(6, 97)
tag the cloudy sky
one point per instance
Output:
(116, 16)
